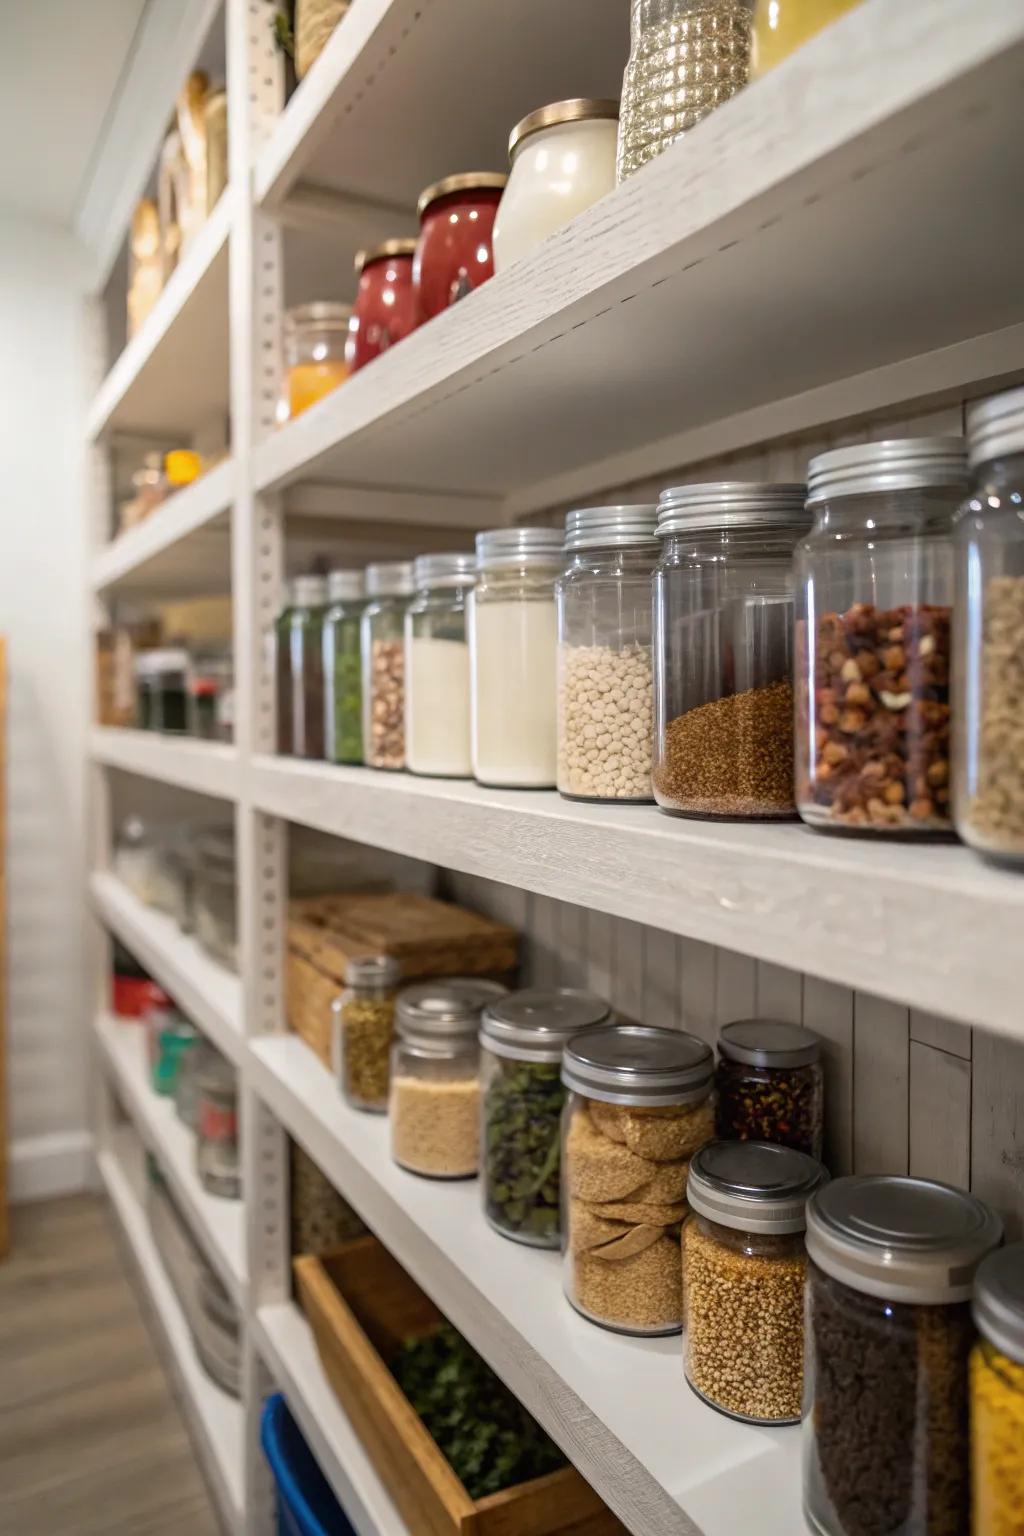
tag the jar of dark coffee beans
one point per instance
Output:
(770, 1085)
(889, 1333)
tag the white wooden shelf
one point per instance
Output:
(218, 1224)
(207, 767)
(183, 548)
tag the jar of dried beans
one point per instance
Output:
(638, 1108)
(997, 1396)
(743, 1278)
(363, 1020)
(770, 1085)
(875, 579)
(989, 664)
(723, 628)
(604, 654)
(388, 587)
(889, 1333)
(437, 667)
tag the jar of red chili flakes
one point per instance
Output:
(770, 1085)
(385, 307)
(874, 603)
(453, 253)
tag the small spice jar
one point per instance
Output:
(875, 587)
(343, 668)
(989, 634)
(723, 649)
(783, 26)
(435, 1090)
(300, 670)
(521, 1039)
(770, 1085)
(638, 1108)
(605, 690)
(217, 1162)
(385, 308)
(437, 734)
(362, 1029)
(314, 353)
(388, 588)
(889, 1332)
(215, 912)
(171, 1039)
(743, 1278)
(453, 253)
(562, 159)
(512, 648)
(997, 1396)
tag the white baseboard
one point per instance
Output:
(44, 1166)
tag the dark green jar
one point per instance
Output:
(300, 674)
(343, 684)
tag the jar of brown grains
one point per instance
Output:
(723, 662)
(362, 1030)
(637, 1109)
(382, 641)
(874, 610)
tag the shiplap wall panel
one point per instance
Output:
(940, 1115)
(997, 1126)
(779, 993)
(944, 1034)
(881, 1076)
(828, 1009)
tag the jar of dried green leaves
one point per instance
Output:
(363, 1028)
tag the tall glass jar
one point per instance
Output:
(300, 670)
(435, 1091)
(604, 654)
(217, 1160)
(512, 651)
(638, 1108)
(723, 649)
(314, 353)
(888, 1338)
(343, 671)
(388, 588)
(997, 1395)
(362, 1029)
(521, 1039)
(743, 1278)
(783, 26)
(770, 1085)
(686, 57)
(437, 735)
(875, 589)
(989, 635)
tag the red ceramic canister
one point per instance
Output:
(385, 307)
(453, 254)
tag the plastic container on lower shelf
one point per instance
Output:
(305, 1504)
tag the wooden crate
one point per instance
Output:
(361, 1305)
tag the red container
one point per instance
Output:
(453, 254)
(131, 995)
(385, 307)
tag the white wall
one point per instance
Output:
(42, 530)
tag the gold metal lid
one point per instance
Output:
(468, 181)
(386, 248)
(579, 110)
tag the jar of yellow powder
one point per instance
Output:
(997, 1395)
(314, 353)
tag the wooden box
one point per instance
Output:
(361, 1305)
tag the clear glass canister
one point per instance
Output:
(744, 1267)
(639, 1106)
(437, 734)
(314, 353)
(770, 1085)
(605, 691)
(783, 26)
(723, 649)
(889, 1333)
(300, 670)
(435, 1089)
(875, 589)
(388, 588)
(217, 1160)
(215, 912)
(363, 1027)
(989, 635)
(512, 651)
(342, 667)
(997, 1396)
(521, 1039)
(685, 58)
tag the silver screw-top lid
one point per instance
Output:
(344, 586)
(457, 570)
(906, 1240)
(309, 591)
(638, 1064)
(753, 1186)
(768, 1043)
(611, 528)
(896, 464)
(995, 427)
(393, 578)
(533, 1025)
(508, 547)
(373, 971)
(999, 1300)
(446, 1009)
(732, 504)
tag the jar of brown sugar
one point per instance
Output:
(770, 1086)
(363, 1028)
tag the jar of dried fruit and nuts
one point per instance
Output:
(770, 1086)
(874, 611)
(638, 1108)
(382, 641)
(363, 1028)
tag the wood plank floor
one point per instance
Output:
(91, 1439)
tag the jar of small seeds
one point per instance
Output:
(997, 1395)
(770, 1086)
(363, 1028)
(743, 1278)
(382, 641)
(638, 1108)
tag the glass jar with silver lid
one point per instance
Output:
(434, 1103)
(521, 1039)
(343, 680)
(723, 649)
(437, 737)
(638, 1108)
(770, 1084)
(997, 1395)
(362, 1029)
(604, 654)
(382, 639)
(892, 1264)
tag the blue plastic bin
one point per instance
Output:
(306, 1505)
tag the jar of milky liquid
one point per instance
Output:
(437, 667)
(512, 646)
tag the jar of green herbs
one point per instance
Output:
(343, 689)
